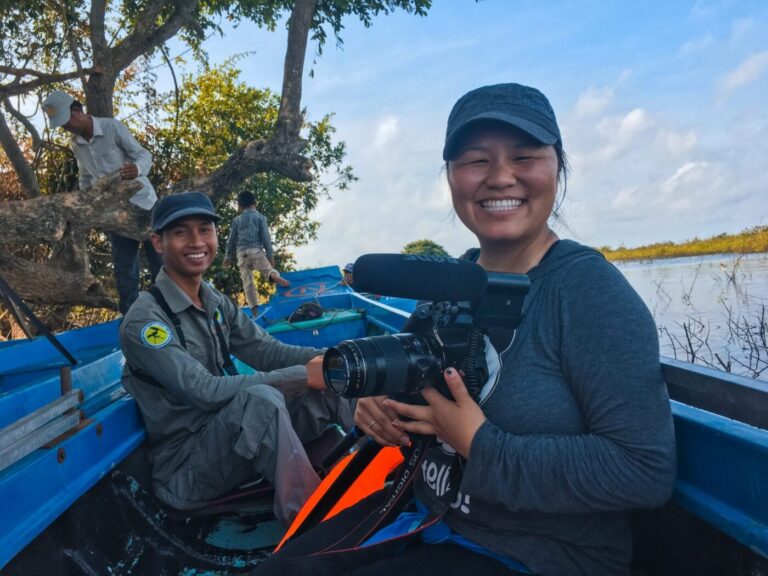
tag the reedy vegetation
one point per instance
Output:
(749, 241)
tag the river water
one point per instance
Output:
(711, 309)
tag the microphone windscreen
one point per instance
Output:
(420, 277)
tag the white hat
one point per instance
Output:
(56, 107)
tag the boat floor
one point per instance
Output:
(119, 528)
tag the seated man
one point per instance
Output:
(211, 429)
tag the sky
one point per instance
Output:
(663, 107)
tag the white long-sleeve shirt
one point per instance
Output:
(111, 146)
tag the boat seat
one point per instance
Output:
(257, 495)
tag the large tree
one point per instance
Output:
(424, 247)
(218, 115)
(47, 42)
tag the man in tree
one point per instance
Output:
(211, 429)
(102, 146)
(249, 239)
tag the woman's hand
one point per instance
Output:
(455, 421)
(374, 418)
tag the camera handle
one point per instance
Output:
(342, 447)
(476, 368)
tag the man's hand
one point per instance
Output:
(128, 171)
(315, 373)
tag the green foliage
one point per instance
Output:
(425, 247)
(33, 33)
(213, 118)
(751, 240)
(218, 115)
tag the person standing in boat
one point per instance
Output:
(349, 279)
(250, 241)
(102, 146)
(211, 429)
(573, 427)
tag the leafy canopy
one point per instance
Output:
(218, 115)
(424, 247)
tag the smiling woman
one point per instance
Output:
(573, 426)
(503, 184)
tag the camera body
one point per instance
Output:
(445, 334)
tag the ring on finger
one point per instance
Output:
(372, 423)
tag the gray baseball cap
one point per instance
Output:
(171, 208)
(56, 107)
(520, 106)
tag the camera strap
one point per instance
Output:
(229, 366)
(394, 500)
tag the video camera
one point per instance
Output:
(463, 303)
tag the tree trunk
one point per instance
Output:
(99, 94)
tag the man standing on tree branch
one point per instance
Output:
(103, 146)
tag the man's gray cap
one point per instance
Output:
(56, 107)
(171, 208)
(520, 106)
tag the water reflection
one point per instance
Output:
(717, 302)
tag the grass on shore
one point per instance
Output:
(748, 241)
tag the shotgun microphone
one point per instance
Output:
(420, 277)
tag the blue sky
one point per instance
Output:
(663, 108)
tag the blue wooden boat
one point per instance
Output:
(76, 497)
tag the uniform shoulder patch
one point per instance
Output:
(217, 315)
(156, 335)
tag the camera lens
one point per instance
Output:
(383, 365)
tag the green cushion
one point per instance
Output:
(328, 318)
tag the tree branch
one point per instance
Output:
(43, 79)
(50, 284)
(273, 155)
(24, 171)
(37, 142)
(146, 35)
(73, 47)
(104, 206)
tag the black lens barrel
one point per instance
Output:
(377, 365)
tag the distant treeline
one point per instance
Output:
(748, 241)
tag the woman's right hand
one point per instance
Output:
(375, 419)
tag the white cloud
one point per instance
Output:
(627, 198)
(690, 173)
(740, 28)
(702, 10)
(593, 101)
(386, 131)
(616, 134)
(635, 122)
(749, 71)
(695, 45)
(677, 143)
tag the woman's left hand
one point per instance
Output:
(455, 421)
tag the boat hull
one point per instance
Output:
(84, 501)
